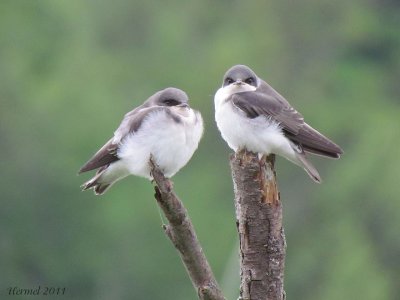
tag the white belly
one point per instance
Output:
(172, 144)
(259, 135)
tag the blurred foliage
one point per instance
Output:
(69, 70)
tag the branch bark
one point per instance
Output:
(259, 223)
(181, 232)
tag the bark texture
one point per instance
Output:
(259, 223)
(182, 234)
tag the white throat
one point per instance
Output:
(224, 92)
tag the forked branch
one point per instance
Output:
(181, 232)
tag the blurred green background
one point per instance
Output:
(69, 70)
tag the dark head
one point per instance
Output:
(169, 97)
(240, 75)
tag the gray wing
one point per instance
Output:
(265, 101)
(255, 104)
(106, 155)
(131, 123)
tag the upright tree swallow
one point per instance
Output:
(250, 114)
(164, 127)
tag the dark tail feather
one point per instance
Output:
(309, 168)
(98, 187)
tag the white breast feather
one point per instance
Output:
(171, 143)
(260, 135)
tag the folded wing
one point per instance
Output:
(270, 104)
(129, 125)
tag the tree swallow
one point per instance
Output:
(250, 114)
(164, 127)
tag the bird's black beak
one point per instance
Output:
(238, 82)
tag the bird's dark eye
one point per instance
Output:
(229, 80)
(249, 80)
(171, 102)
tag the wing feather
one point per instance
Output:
(130, 124)
(265, 101)
(106, 155)
(256, 104)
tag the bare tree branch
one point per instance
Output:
(259, 224)
(182, 234)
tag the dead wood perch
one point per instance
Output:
(259, 224)
(182, 234)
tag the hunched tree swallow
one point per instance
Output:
(164, 127)
(250, 114)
